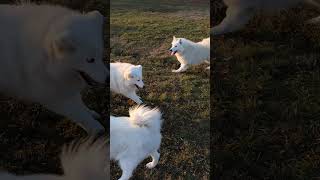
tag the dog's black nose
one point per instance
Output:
(170, 49)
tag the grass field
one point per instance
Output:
(267, 98)
(31, 137)
(141, 33)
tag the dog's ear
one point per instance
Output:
(174, 38)
(139, 66)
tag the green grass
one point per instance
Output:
(143, 36)
(267, 98)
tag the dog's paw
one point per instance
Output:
(208, 68)
(175, 71)
(150, 165)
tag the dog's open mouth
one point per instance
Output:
(137, 86)
(87, 78)
(173, 53)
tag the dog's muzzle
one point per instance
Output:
(172, 52)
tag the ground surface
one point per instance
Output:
(267, 98)
(141, 33)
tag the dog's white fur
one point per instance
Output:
(239, 12)
(190, 53)
(134, 138)
(125, 79)
(81, 160)
(43, 49)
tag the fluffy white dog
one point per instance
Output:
(190, 53)
(239, 12)
(49, 54)
(134, 138)
(126, 79)
(82, 160)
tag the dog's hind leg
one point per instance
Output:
(236, 18)
(182, 68)
(155, 159)
(75, 109)
(127, 166)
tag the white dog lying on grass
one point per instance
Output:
(126, 79)
(88, 160)
(190, 53)
(49, 54)
(239, 12)
(134, 138)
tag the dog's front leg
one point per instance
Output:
(75, 109)
(132, 95)
(155, 159)
(235, 19)
(182, 68)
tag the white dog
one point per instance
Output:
(49, 54)
(239, 12)
(126, 79)
(134, 138)
(188, 52)
(80, 161)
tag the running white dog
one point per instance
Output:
(49, 54)
(190, 53)
(134, 138)
(126, 79)
(239, 12)
(80, 161)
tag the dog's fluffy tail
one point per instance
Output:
(87, 158)
(146, 117)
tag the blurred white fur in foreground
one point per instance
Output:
(81, 160)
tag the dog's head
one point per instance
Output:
(77, 44)
(133, 76)
(177, 46)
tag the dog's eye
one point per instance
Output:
(90, 60)
(175, 46)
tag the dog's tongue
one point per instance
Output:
(172, 53)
